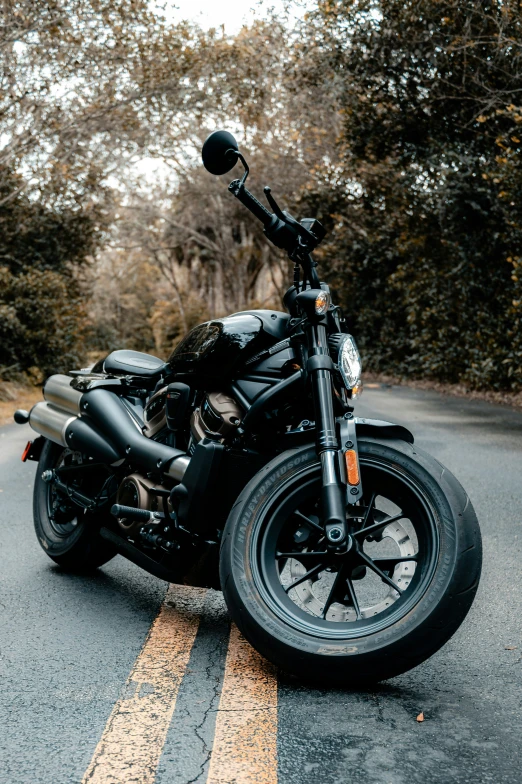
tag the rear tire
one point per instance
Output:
(361, 648)
(74, 544)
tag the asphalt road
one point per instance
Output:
(69, 644)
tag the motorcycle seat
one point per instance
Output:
(133, 363)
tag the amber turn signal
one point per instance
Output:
(352, 467)
(322, 303)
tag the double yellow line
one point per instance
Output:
(244, 748)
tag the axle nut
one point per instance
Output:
(335, 534)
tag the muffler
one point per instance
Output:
(61, 407)
(71, 431)
(59, 392)
(98, 423)
(50, 422)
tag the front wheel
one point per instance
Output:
(379, 609)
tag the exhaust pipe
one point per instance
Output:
(71, 431)
(109, 414)
(80, 422)
(50, 422)
(59, 392)
(61, 407)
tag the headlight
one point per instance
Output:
(349, 361)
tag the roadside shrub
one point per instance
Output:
(41, 316)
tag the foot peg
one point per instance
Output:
(132, 513)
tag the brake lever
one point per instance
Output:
(272, 202)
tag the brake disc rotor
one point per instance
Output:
(310, 595)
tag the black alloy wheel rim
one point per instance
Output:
(394, 513)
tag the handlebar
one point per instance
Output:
(298, 239)
(251, 203)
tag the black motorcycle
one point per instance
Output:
(345, 553)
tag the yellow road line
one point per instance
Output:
(134, 736)
(245, 742)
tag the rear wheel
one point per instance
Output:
(68, 533)
(383, 606)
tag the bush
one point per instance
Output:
(41, 317)
(41, 306)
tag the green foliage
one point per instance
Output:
(424, 212)
(40, 322)
(41, 311)
(398, 122)
(35, 235)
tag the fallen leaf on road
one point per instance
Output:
(420, 717)
(510, 648)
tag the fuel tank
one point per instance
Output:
(214, 349)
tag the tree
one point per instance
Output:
(41, 308)
(78, 92)
(35, 235)
(79, 87)
(422, 206)
(41, 319)
(397, 123)
(91, 87)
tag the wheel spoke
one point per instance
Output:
(333, 590)
(309, 573)
(309, 522)
(302, 554)
(368, 511)
(376, 526)
(353, 598)
(384, 577)
(391, 563)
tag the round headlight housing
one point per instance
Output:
(350, 365)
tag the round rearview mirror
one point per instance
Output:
(220, 152)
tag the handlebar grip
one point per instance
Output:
(251, 203)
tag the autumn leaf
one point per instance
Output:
(420, 717)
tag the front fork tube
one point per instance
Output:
(333, 496)
(333, 493)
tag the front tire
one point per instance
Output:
(66, 532)
(390, 604)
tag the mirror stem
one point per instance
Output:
(247, 170)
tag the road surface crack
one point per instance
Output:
(214, 653)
